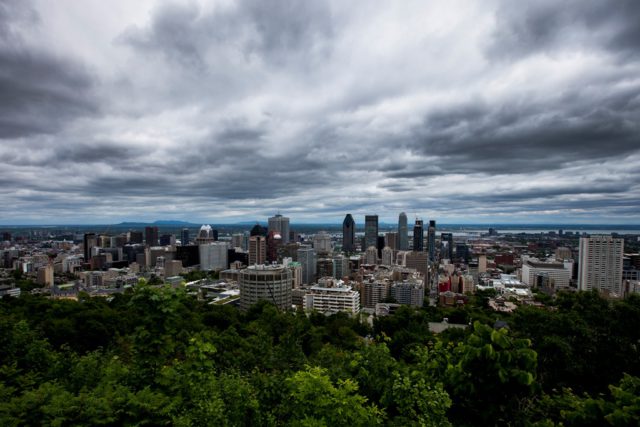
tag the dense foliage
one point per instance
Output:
(156, 356)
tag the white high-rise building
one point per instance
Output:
(322, 242)
(371, 255)
(600, 265)
(214, 256)
(387, 256)
(280, 223)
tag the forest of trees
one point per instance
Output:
(156, 356)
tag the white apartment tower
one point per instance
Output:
(600, 264)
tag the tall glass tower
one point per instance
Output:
(370, 231)
(418, 236)
(403, 232)
(348, 234)
(431, 234)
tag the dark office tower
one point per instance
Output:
(151, 236)
(6, 236)
(462, 252)
(380, 245)
(184, 237)
(348, 234)
(90, 241)
(167, 239)
(258, 230)
(418, 236)
(274, 243)
(446, 240)
(370, 231)
(188, 254)
(135, 237)
(431, 234)
(130, 252)
(403, 232)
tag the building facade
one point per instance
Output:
(431, 240)
(418, 236)
(307, 259)
(348, 234)
(558, 272)
(281, 224)
(403, 232)
(371, 231)
(257, 250)
(600, 264)
(214, 256)
(329, 296)
(261, 282)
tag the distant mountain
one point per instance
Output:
(172, 222)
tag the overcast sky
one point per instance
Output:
(459, 111)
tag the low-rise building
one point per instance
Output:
(332, 295)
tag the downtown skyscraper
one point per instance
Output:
(431, 236)
(348, 234)
(280, 224)
(403, 232)
(370, 231)
(418, 236)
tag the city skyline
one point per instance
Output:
(225, 112)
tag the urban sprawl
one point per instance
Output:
(361, 270)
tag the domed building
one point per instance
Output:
(206, 235)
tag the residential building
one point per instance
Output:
(45, 275)
(332, 295)
(371, 256)
(257, 250)
(387, 256)
(600, 264)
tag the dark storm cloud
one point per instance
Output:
(525, 28)
(40, 92)
(99, 151)
(530, 135)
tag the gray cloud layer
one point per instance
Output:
(500, 111)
